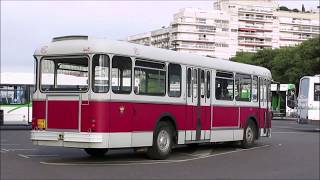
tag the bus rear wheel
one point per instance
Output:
(162, 142)
(249, 135)
(96, 152)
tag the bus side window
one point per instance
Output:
(189, 82)
(202, 87)
(255, 89)
(149, 78)
(174, 79)
(100, 73)
(208, 84)
(261, 90)
(243, 86)
(195, 83)
(121, 75)
(224, 88)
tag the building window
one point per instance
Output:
(174, 78)
(149, 78)
(202, 37)
(224, 86)
(225, 29)
(121, 75)
(100, 73)
(201, 20)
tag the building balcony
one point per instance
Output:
(254, 43)
(192, 40)
(255, 19)
(160, 40)
(196, 47)
(294, 38)
(198, 31)
(246, 27)
(179, 22)
(259, 11)
(257, 35)
(309, 31)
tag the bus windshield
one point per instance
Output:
(64, 74)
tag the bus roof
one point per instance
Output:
(17, 78)
(80, 45)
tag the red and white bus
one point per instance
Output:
(98, 94)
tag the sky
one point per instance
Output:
(26, 25)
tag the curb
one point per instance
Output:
(15, 127)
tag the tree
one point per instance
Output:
(303, 9)
(284, 8)
(287, 64)
(295, 10)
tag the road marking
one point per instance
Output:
(149, 162)
(22, 149)
(37, 155)
(194, 155)
(42, 155)
(4, 150)
(24, 156)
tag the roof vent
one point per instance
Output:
(73, 37)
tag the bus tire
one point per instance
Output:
(249, 135)
(96, 152)
(162, 142)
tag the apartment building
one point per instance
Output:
(233, 26)
(195, 31)
(296, 27)
(254, 20)
(142, 38)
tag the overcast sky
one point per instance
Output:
(27, 25)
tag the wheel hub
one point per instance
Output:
(163, 140)
(249, 134)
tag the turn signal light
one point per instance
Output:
(41, 123)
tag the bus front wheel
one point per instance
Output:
(249, 135)
(96, 152)
(162, 142)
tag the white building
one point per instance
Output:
(254, 21)
(296, 27)
(233, 26)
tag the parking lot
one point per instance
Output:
(291, 153)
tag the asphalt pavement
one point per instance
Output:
(291, 153)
